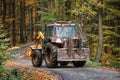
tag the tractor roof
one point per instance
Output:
(65, 23)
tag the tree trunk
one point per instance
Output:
(68, 6)
(9, 15)
(13, 24)
(100, 42)
(1, 3)
(37, 18)
(4, 10)
(118, 40)
(31, 23)
(56, 7)
(22, 21)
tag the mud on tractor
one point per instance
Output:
(63, 43)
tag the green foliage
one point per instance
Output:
(62, 1)
(116, 50)
(107, 59)
(111, 33)
(110, 60)
(4, 42)
(115, 64)
(10, 74)
(110, 37)
(85, 10)
(4, 56)
(47, 15)
(113, 7)
(6, 73)
(92, 64)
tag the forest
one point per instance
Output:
(100, 20)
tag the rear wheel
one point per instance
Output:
(36, 58)
(79, 63)
(51, 55)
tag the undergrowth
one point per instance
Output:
(92, 64)
(5, 72)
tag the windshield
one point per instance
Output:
(65, 31)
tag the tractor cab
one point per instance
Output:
(63, 43)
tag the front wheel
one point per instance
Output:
(51, 55)
(79, 63)
(36, 58)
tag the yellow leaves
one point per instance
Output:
(93, 2)
(31, 73)
(9, 19)
(13, 48)
(31, 2)
(100, 5)
(107, 59)
(114, 11)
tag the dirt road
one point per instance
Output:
(69, 72)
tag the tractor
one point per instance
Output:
(64, 42)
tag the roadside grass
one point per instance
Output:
(92, 64)
(114, 66)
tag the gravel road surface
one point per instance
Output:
(71, 73)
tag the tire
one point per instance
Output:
(51, 55)
(36, 58)
(63, 63)
(79, 63)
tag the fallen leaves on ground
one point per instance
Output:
(30, 72)
(13, 48)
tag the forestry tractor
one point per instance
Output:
(63, 43)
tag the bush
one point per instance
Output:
(110, 60)
(10, 74)
(4, 43)
(115, 64)
(6, 73)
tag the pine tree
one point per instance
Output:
(4, 43)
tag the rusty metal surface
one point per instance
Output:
(75, 55)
